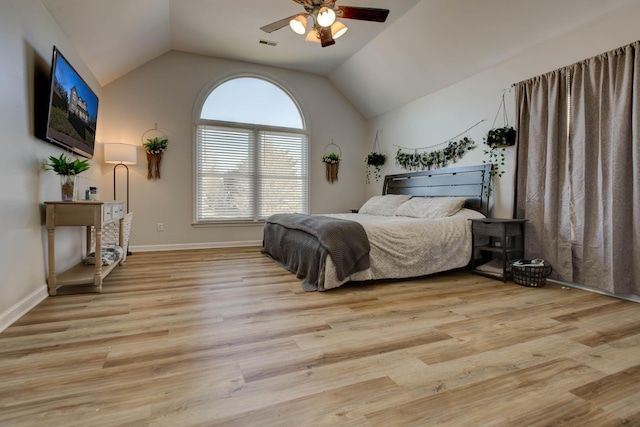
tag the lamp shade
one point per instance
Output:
(115, 152)
(326, 17)
(312, 36)
(298, 24)
(338, 29)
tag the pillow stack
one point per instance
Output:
(431, 207)
(383, 205)
(416, 207)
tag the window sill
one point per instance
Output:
(229, 223)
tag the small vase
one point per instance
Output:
(68, 187)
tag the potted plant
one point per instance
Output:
(154, 147)
(68, 170)
(332, 163)
(375, 160)
(501, 137)
(497, 139)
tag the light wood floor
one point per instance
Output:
(226, 337)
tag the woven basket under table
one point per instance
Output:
(533, 276)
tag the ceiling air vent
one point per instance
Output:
(268, 42)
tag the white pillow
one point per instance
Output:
(431, 207)
(383, 205)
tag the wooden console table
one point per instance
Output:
(89, 214)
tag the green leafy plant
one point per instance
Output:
(435, 159)
(375, 160)
(501, 137)
(331, 158)
(497, 139)
(155, 145)
(63, 165)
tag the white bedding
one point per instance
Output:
(404, 247)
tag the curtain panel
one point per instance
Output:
(578, 180)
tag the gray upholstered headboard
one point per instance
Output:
(466, 181)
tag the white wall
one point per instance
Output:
(27, 36)
(164, 92)
(437, 117)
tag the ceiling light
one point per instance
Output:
(326, 17)
(298, 24)
(313, 36)
(338, 29)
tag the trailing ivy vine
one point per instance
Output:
(497, 140)
(435, 159)
(375, 160)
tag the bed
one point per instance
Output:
(418, 226)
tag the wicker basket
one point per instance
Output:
(111, 235)
(528, 275)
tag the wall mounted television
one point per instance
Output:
(73, 109)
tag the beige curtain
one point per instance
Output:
(579, 170)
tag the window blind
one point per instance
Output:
(282, 173)
(249, 174)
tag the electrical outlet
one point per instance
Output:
(160, 226)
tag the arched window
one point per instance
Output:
(251, 152)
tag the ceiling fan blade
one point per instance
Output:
(326, 38)
(270, 28)
(363, 13)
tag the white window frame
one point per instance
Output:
(257, 130)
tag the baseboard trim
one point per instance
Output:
(628, 297)
(22, 307)
(187, 246)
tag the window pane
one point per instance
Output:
(224, 173)
(282, 173)
(252, 100)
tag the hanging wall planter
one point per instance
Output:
(374, 160)
(498, 139)
(332, 162)
(154, 147)
(501, 137)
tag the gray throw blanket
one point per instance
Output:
(346, 242)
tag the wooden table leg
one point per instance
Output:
(51, 282)
(97, 280)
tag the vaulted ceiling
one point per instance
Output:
(424, 46)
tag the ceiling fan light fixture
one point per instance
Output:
(298, 24)
(313, 36)
(338, 29)
(326, 17)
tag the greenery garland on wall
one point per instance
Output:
(452, 151)
(437, 158)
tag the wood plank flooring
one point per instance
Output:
(225, 337)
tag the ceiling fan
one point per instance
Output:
(325, 28)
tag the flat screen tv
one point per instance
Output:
(73, 109)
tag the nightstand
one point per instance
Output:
(497, 242)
